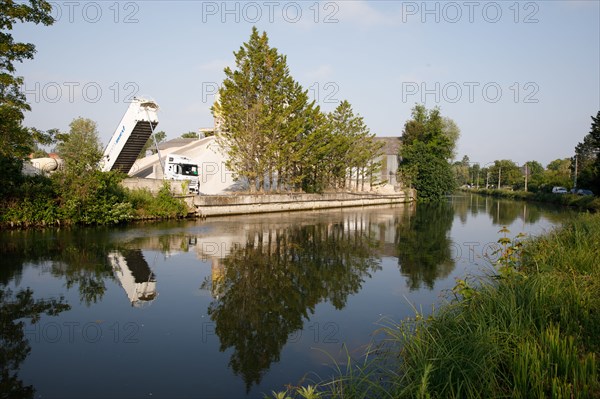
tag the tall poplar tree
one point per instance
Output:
(264, 114)
(352, 147)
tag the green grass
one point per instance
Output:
(530, 331)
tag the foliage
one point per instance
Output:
(588, 158)
(99, 199)
(504, 172)
(558, 173)
(80, 148)
(531, 333)
(351, 149)
(161, 206)
(425, 153)
(429, 174)
(276, 139)
(159, 137)
(263, 111)
(463, 172)
(424, 248)
(190, 135)
(452, 132)
(534, 172)
(16, 140)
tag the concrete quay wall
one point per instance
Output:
(219, 205)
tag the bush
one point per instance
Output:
(163, 205)
(93, 198)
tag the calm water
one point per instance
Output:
(231, 307)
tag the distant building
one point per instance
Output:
(390, 159)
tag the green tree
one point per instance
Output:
(316, 154)
(80, 148)
(535, 175)
(462, 171)
(16, 140)
(353, 147)
(425, 153)
(87, 195)
(558, 173)
(190, 135)
(588, 158)
(150, 146)
(477, 174)
(452, 132)
(265, 115)
(505, 173)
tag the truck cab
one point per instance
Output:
(178, 167)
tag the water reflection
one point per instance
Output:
(424, 245)
(14, 346)
(266, 288)
(135, 276)
(261, 277)
(78, 256)
(503, 212)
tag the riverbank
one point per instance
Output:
(531, 330)
(108, 201)
(581, 202)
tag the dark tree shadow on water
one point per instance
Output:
(268, 287)
(15, 310)
(424, 246)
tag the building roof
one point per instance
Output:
(177, 142)
(391, 144)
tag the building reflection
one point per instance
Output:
(269, 272)
(269, 283)
(134, 275)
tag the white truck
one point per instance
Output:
(132, 133)
(130, 136)
(178, 167)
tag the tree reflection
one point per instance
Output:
(505, 212)
(267, 287)
(424, 247)
(14, 346)
(77, 255)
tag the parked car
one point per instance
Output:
(582, 191)
(559, 190)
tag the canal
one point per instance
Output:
(232, 307)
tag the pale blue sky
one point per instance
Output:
(382, 56)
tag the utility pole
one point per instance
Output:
(575, 177)
(477, 177)
(487, 180)
(525, 177)
(499, 174)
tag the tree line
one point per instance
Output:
(580, 171)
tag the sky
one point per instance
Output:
(520, 78)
